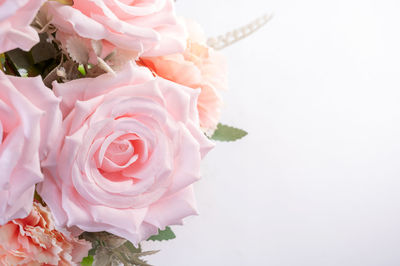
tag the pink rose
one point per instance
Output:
(147, 26)
(132, 149)
(29, 121)
(15, 19)
(199, 66)
(35, 241)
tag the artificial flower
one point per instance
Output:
(15, 19)
(35, 241)
(199, 66)
(131, 152)
(144, 27)
(29, 122)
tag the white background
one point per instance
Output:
(317, 180)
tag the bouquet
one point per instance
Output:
(107, 109)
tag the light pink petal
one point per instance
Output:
(171, 210)
(51, 194)
(148, 27)
(29, 119)
(44, 99)
(15, 20)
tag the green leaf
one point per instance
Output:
(88, 261)
(38, 198)
(2, 60)
(22, 63)
(44, 50)
(132, 249)
(227, 133)
(65, 2)
(6, 66)
(81, 69)
(166, 234)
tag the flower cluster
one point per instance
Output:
(106, 112)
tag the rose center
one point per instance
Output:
(121, 155)
(120, 151)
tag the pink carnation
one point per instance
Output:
(197, 67)
(131, 152)
(35, 241)
(29, 122)
(146, 27)
(15, 19)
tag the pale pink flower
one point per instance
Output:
(29, 123)
(131, 152)
(146, 27)
(199, 66)
(15, 19)
(35, 241)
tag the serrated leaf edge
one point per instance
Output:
(245, 133)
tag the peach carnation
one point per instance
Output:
(199, 66)
(35, 241)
